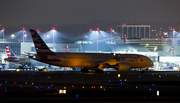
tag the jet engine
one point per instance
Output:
(122, 67)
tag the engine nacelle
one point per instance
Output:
(122, 67)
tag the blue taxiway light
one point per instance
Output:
(121, 82)
(152, 84)
(57, 89)
(104, 89)
(20, 85)
(5, 90)
(177, 75)
(41, 86)
(4, 87)
(109, 81)
(11, 71)
(150, 89)
(49, 87)
(165, 74)
(139, 76)
(152, 73)
(108, 72)
(0, 73)
(76, 95)
(0, 84)
(36, 87)
(32, 73)
(133, 73)
(29, 76)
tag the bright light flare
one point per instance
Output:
(53, 28)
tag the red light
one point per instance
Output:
(53, 28)
(124, 35)
(72, 86)
(97, 28)
(173, 29)
(111, 29)
(126, 39)
(90, 30)
(44, 35)
(23, 28)
(37, 30)
(156, 39)
(3, 28)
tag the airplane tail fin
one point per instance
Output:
(11, 56)
(171, 50)
(40, 45)
(67, 48)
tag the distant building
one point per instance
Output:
(134, 31)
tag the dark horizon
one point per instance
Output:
(64, 12)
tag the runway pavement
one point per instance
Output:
(75, 86)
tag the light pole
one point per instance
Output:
(3, 33)
(97, 38)
(12, 35)
(111, 33)
(53, 30)
(23, 33)
(173, 35)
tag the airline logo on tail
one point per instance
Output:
(40, 46)
(171, 50)
(11, 56)
(67, 48)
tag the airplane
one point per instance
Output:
(171, 50)
(21, 63)
(11, 56)
(89, 61)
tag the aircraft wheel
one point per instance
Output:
(142, 71)
(85, 70)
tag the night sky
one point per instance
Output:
(60, 12)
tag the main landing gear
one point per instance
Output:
(84, 70)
